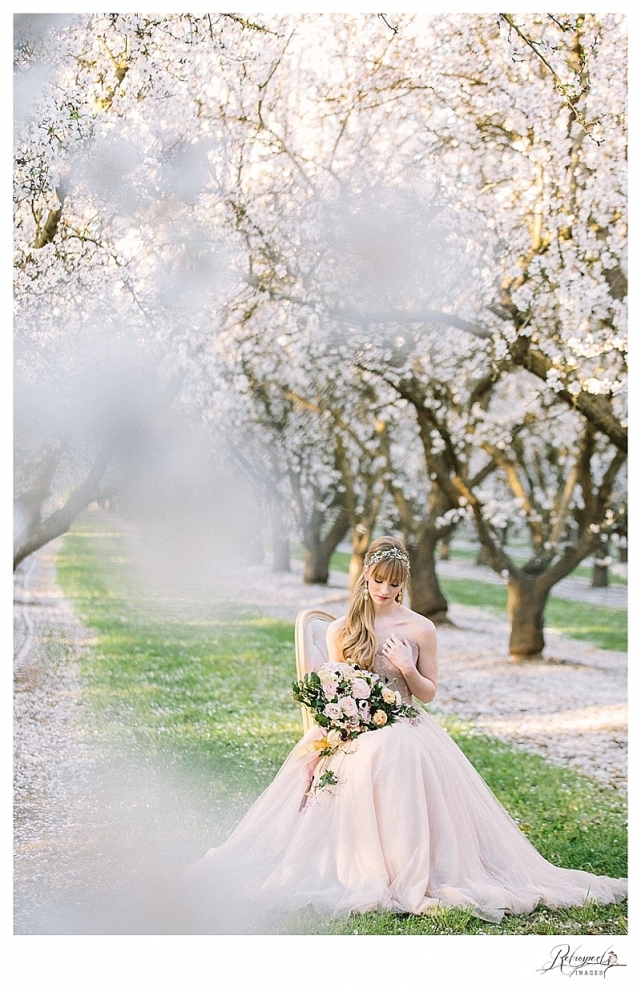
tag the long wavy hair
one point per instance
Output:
(358, 640)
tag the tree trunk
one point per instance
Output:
(318, 551)
(316, 570)
(360, 543)
(444, 551)
(526, 606)
(623, 554)
(600, 577)
(281, 554)
(483, 557)
(281, 560)
(355, 568)
(426, 596)
(59, 522)
(255, 552)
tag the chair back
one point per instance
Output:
(311, 648)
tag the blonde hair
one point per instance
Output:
(358, 639)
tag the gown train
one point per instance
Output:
(410, 827)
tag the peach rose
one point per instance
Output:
(380, 718)
(388, 696)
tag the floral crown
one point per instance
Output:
(395, 553)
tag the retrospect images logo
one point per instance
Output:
(568, 962)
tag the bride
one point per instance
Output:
(410, 826)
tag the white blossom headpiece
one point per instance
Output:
(396, 553)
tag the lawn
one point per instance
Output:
(199, 695)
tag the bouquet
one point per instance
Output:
(346, 701)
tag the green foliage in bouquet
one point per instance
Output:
(347, 700)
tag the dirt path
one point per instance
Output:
(52, 764)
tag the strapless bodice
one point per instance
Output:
(388, 671)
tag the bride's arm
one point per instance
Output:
(422, 678)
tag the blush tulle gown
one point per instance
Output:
(411, 826)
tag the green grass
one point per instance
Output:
(201, 693)
(201, 684)
(604, 626)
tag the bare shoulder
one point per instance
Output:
(335, 627)
(419, 626)
(422, 631)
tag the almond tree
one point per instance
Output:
(559, 478)
(114, 238)
(384, 183)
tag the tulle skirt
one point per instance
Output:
(410, 827)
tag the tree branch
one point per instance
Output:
(403, 317)
(61, 520)
(595, 408)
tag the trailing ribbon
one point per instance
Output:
(314, 771)
(314, 757)
(319, 745)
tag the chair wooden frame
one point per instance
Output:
(302, 663)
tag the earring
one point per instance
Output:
(399, 597)
(366, 593)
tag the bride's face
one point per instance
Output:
(381, 589)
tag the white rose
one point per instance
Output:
(334, 736)
(330, 688)
(348, 706)
(333, 711)
(360, 689)
(398, 698)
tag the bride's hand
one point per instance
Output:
(398, 650)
